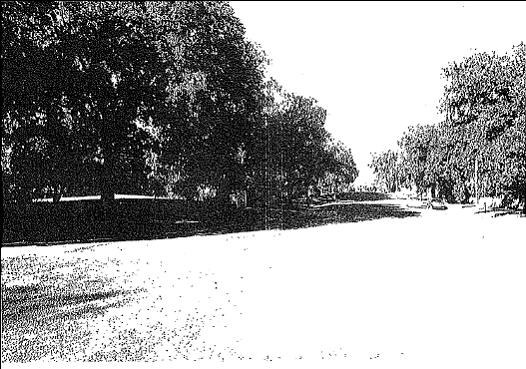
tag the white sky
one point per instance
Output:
(375, 67)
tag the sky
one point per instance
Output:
(376, 67)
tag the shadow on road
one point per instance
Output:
(85, 221)
(49, 318)
(41, 321)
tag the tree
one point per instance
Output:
(94, 85)
(480, 148)
(484, 101)
(117, 94)
(150, 97)
(387, 169)
(340, 169)
(29, 41)
(294, 150)
(418, 144)
(215, 86)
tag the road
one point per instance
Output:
(445, 289)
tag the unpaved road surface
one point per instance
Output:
(445, 290)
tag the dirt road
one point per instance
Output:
(445, 289)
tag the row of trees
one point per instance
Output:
(163, 98)
(480, 147)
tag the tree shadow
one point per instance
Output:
(33, 301)
(304, 217)
(43, 321)
(364, 196)
(139, 219)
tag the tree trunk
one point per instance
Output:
(107, 183)
(107, 194)
(224, 190)
(109, 143)
(57, 194)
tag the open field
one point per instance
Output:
(444, 289)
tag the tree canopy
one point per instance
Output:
(479, 149)
(165, 98)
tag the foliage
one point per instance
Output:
(480, 148)
(388, 170)
(77, 107)
(341, 169)
(484, 101)
(215, 89)
(151, 98)
(295, 153)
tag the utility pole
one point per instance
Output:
(477, 180)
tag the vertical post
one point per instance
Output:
(477, 180)
(266, 189)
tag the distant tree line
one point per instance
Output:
(480, 147)
(156, 98)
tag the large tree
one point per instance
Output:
(121, 96)
(81, 91)
(29, 40)
(215, 86)
(480, 148)
(117, 88)
(484, 101)
(294, 151)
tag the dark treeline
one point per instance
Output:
(480, 148)
(153, 98)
